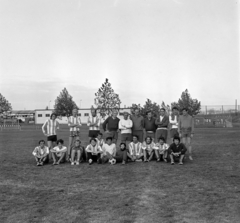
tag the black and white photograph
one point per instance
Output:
(119, 111)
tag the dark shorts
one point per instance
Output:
(52, 138)
(161, 133)
(138, 133)
(173, 133)
(126, 137)
(93, 133)
(74, 133)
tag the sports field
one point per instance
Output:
(205, 190)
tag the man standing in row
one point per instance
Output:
(110, 126)
(149, 125)
(94, 125)
(162, 125)
(138, 121)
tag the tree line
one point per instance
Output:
(107, 100)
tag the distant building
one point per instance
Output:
(42, 114)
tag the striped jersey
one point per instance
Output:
(52, 126)
(38, 151)
(93, 149)
(135, 149)
(161, 148)
(93, 120)
(74, 120)
(148, 147)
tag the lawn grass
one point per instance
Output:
(205, 190)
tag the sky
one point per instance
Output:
(146, 48)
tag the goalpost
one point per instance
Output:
(10, 124)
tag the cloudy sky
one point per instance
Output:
(147, 49)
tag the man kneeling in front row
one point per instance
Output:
(177, 151)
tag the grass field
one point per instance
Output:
(205, 190)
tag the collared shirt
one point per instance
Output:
(93, 120)
(74, 120)
(52, 126)
(38, 151)
(125, 126)
(135, 149)
(149, 124)
(137, 122)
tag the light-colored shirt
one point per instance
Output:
(148, 147)
(58, 151)
(135, 149)
(38, 151)
(100, 142)
(125, 126)
(186, 122)
(161, 148)
(93, 120)
(93, 149)
(75, 121)
(173, 122)
(52, 126)
(109, 148)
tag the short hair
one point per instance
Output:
(185, 109)
(135, 136)
(147, 112)
(136, 109)
(123, 143)
(109, 138)
(162, 109)
(161, 138)
(100, 134)
(60, 141)
(148, 137)
(176, 108)
(41, 141)
(94, 110)
(77, 140)
(53, 115)
(176, 138)
(92, 139)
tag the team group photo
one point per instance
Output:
(119, 111)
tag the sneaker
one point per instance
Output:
(77, 163)
(190, 157)
(172, 163)
(165, 160)
(41, 164)
(158, 160)
(38, 164)
(180, 163)
(90, 161)
(54, 163)
(123, 162)
(72, 163)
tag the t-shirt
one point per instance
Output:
(161, 148)
(137, 122)
(109, 148)
(58, 150)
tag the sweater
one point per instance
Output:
(137, 122)
(111, 124)
(149, 125)
(125, 126)
(177, 148)
(186, 122)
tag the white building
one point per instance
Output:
(41, 115)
